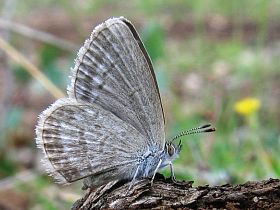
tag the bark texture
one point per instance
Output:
(165, 194)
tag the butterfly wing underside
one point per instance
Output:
(113, 113)
(114, 71)
(78, 140)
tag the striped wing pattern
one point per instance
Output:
(113, 113)
(113, 70)
(78, 141)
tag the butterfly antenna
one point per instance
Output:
(201, 129)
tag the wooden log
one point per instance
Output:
(164, 194)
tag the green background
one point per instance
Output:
(207, 55)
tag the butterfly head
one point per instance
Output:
(172, 150)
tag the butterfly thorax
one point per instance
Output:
(152, 157)
(148, 161)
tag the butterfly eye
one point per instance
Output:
(170, 150)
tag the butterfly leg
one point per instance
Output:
(134, 179)
(158, 165)
(173, 178)
(180, 183)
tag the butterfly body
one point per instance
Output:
(149, 162)
(111, 125)
(146, 167)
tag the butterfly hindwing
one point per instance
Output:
(80, 140)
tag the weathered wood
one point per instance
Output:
(167, 195)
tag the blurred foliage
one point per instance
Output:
(208, 57)
(48, 62)
(153, 38)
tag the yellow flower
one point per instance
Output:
(247, 106)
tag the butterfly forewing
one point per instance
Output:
(114, 71)
(78, 140)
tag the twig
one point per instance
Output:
(7, 13)
(38, 35)
(33, 70)
(6, 77)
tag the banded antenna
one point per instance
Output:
(200, 129)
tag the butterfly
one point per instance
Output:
(111, 125)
